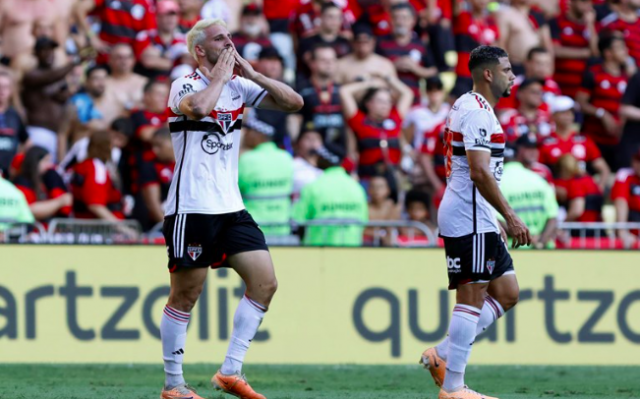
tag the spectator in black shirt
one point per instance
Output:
(251, 38)
(13, 134)
(328, 33)
(322, 110)
(630, 111)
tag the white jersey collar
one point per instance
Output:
(204, 78)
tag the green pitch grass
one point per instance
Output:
(318, 382)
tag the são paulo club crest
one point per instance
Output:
(194, 251)
(225, 121)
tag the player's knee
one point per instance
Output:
(509, 299)
(269, 288)
(184, 300)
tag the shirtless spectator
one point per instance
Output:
(45, 94)
(124, 87)
(600, 94)
(363, 62)
(521, 29)
(159, 50)
(190, 14)
(120, 22)
(17, 21)
(382, 207)
(530, 117)
(575, 41)
(408, 53)
(328, 33)
(85, 100)
(626, 20)
(252, 36)
(539, 66)
(471, 29)
(13, 134)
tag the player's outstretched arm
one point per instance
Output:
(488, 187)
(200, 104)
(281, 97)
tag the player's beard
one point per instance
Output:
(507, 92)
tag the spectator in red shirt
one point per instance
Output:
(471, 29)
(94, 194)
(530, 117)
(565, 140)
(155, 179)
(252, 37)
(578, 191)
(575, 40)
(539, 66)
(527, 153)
(599, 97)
(158, 51)
(376, 124)
(626, 198)
(189, 14)
(305, 20)
(630, 111)
(411, 57)
(42, 186)
(626, 20)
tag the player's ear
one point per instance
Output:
(199, 50)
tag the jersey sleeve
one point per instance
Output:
(252, 93)
(180, 89)
(477, 128)
(592, 150)
(148, 174)
(554, 27)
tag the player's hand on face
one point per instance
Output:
(223, 70)
(246, 69)
(518, 232)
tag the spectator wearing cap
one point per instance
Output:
(85, 100)
(625, 21)
(530, 117)
(424, 128)
(42, 186)
(600, 94)
(125, 88)
(159, 50)
(271, 64)
(322, 110)
(265, 177)
(411, 57)
(527, 152)
(565, 140)
(522, 28)
(328, 33)
(625, 195)
(575, 41)
(473, 28)
(363, 61)
(252, 37)
(13, 205)
(155, 178)
(630, 111)
(531, 197)
(376, 123)
(13, 133)
(538, 66)
(45, 95)
(336, 199)
(305, 162)
(578, 192)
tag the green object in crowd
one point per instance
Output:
(265, 178)
(335, 197)
(13, 206)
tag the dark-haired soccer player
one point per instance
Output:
(479, 265)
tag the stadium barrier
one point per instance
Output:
(97, 304)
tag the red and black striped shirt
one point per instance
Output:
(629, 29)
(378, 143)
(122, 20)
(470, 33)
(569, 71)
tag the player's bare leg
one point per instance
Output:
(186, 286)
(256, 269)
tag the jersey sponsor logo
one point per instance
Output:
(212, 143)
(453, 264)
(497, 173)
(483, 132)
(482, 142)
(194, 251)
(186, 89)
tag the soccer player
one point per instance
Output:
(479, 265)
(205, 220)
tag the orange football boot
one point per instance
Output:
(435, 364)
(463, 393)
(235, 385)
(182, 391)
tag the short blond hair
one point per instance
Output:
(196, 35)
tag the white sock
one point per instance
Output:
(491, 311)
(173, 331)
(462, 333)
(245, 325)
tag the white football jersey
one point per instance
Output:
(206, 173)
(471, 126)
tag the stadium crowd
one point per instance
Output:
(84, 87)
